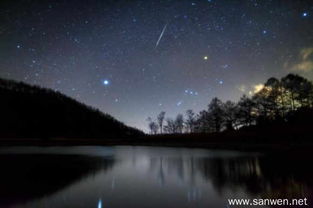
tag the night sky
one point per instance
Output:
(133, 59)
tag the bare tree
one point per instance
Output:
(160, 118)
(153, 126)
(179, 122)
(170, 126)
(190, 120)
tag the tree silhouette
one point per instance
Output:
(190, 120)
(170, 126)
(299, 90)
(216, 116)
(179, 123)
(160, 118)
(276, 103)
(153, 126)
(230, 110)
(245, 113)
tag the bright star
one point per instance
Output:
(18, 46)
(106, 82)
(205, 58)
(264, 32)
(221, 82)
(304, 14)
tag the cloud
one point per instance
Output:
(305, 53)
(257, 88)
(250, 90)
(304, 66)
(305, 63)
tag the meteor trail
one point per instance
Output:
(161, 35)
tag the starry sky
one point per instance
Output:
(133, 59)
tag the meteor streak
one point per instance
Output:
(161, 35)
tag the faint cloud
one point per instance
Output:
(306, 53)
(306, 62)
(304, 66)
(257, 88)
(250, 90)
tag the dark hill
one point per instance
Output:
(33, 112)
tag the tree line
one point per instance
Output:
(275, 103)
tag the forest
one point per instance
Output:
(285, 101)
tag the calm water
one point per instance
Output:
(110, 177)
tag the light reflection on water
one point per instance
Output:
(146, 177)
(100, 203)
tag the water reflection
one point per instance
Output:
(267, 176)
(100, 203)
(152, 177)
(30, 176)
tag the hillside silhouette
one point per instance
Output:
(34, 112)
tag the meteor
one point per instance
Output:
(161, 35)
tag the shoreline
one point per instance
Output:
(222, 145)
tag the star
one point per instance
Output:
(225, 66)
(116, 52)
(106, 82)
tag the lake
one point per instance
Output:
(147, 177)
